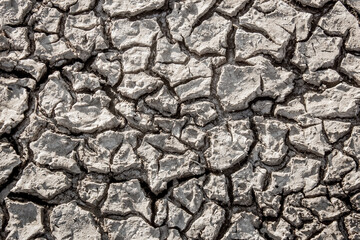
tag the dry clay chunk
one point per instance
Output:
(245, 225)
(135, 85)
(351, 145)
(350, 65)
(190, 195)
(177, 217)
(125, 33)
(178, 73)
(56, 151)
(248, 44)
(229, 144)
(325, 209)
(92, 189)
(96, 154)
(236, 95)
(130, 7)
(338, 166)
(272, 134)
(279, 24)
(107, 66)
(52, 49)
(41, 182)
(131, 228)
(208, 224)
(54, 92)
(203, 40)
(9, 161)
(135, 59)
(231, 7)
(47, 20)
(125, 198)
(203, 112)
(238, 86)
(216, 188)
(161, 170)
(89, 114)
(314, 3)
(245, 181)
(85, 26)
(320, 51)
(25, 220)
(352, 223)
(13, 104)
(172, 167)
(163, 101)
(338, 21)
(71, 220)
(310, 139)
(328, 76)
(14, 11)
(184, 15)
(339, 101)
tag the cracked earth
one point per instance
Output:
(179, 119)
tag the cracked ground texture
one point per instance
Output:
(179, 119)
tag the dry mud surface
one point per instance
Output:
(179, 119)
